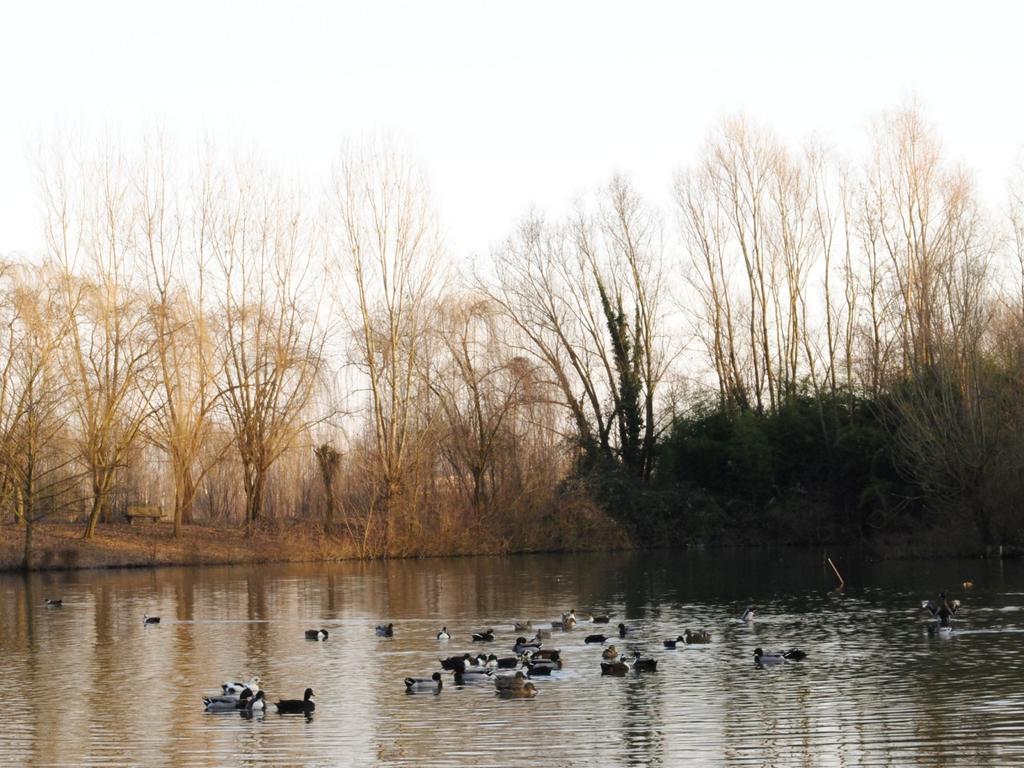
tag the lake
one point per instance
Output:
(88, 684)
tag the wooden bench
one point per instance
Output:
(153, 514)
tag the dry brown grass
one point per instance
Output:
(61, 546)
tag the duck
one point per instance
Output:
(227, 703)
(600, 619)
(432, 683)
(146, 619)
(453, 663)
(542, 634)
(472, 675)
(515, 686)
(293, 706)
(485, 636)
(388, 631)
(624, 631)
(747, 616)
(52, 602)
(552, 654)
(522, 645)
(507, 682)
(528, 691)
(766, 658)
(616, 668)
(507, 662)
(540, 668)
(316, 634)
(609, 653)
(671, 644)
(522, 626)
(595, 638)
(569, 619)
(255, 703)
(443, 634)
(233, 688)
(699, 637)
(644, 665)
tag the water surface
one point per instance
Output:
(88, 684)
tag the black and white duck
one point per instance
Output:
(255, 703)
(456, 663)
(641, 664)
(234, 688)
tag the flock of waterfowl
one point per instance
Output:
(248, 697)
(512, 675)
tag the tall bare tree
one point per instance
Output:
(173, 238)
(36, 456)
(387, 256)
(270, 344)
(90, 231)
(587, 296)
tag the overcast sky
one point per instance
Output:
(506, 105)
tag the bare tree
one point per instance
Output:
(387, 257)
(478, 387)
(90, 230)
(587, 297)
(269, 343)
(35, 453)
(174, 240)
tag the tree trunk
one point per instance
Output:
(26, 557)
(184, 495)
(253, 502)
(99, 504)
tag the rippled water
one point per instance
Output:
(89, 684)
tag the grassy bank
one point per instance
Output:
(60, 546)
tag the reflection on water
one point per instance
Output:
(89, 684)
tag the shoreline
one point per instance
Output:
(60, 547)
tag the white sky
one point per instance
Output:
(507, 106)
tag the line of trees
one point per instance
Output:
(207, 336)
